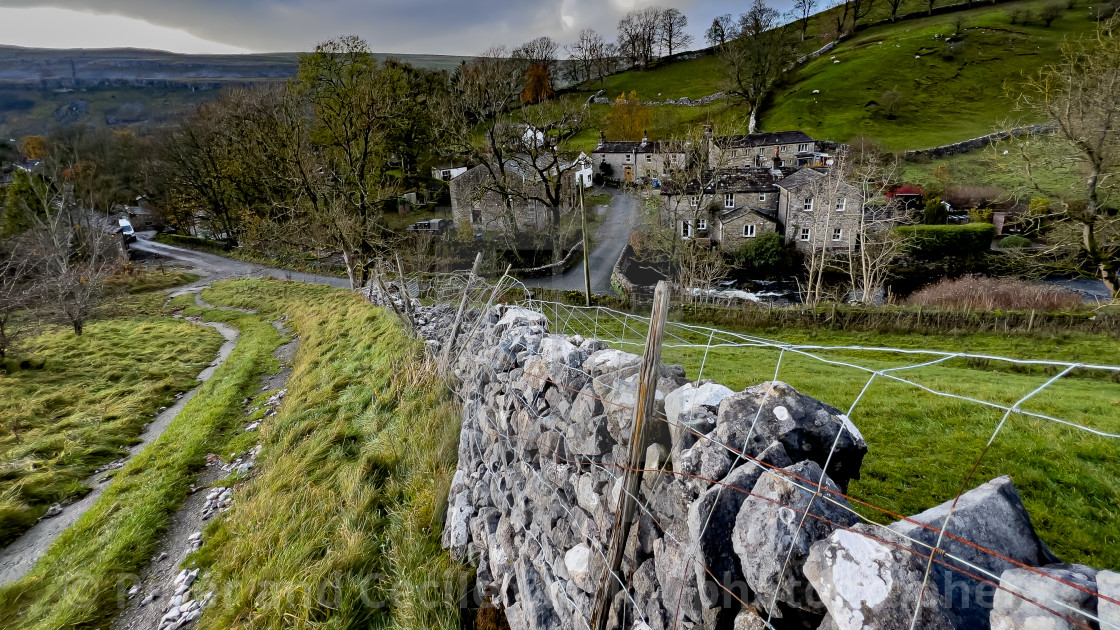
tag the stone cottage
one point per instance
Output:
(772, 149)
(727, 206)
(637, 161)
(817, 209)
(476, 200)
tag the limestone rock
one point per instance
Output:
(992, 517)
(778, 524)
(808, 429)
(1011, 612)
(867, 583)
(694, 407)
(711, 521)
(1108, 585)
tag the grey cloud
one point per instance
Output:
(405, 26)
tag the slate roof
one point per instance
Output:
(633, 147)
(763, 139)
(735, 213)
(755, 179)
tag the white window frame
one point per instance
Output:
(649, 158)
(701, 224)
(445, 174)
(686, 229)
(806, 234)
(762, 150)
(762, 196)
(629, 158)
(841, 204)
(807, 205)
(748, 230)
(803, 148)
(785, 148)
(837, 234)
(729, 200)
(694, 201)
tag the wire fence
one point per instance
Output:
(909, 374)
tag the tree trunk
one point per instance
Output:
(77, 327)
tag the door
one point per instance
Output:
(629, 173)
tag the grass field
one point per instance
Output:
(948, 92)
(945, 95)
(922, 446)
(352, 481)
(75, 582)
(992, 167)
(86, 405)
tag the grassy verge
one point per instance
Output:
(922, 446)
(145, 279)
(341, 525)
(84, 401)
(75, 583)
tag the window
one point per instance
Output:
(837, 234)
(701, 224)
(762, 150)
(762, 196)
(729, 200)
(629, 158)
(649, 158)
(785, 148)
(686, 229)
(735, 153)
(748, 230)
(805, 234)
(807, 206)
(803, 148)
(445, 174)
(694, 201)
(841, 204)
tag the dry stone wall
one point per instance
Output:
(753, 536)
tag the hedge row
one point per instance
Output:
(938, 241)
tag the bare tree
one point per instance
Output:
(72, 252)
(894, 5)
(804, 10)
(1080, 94)
(638, 33)
(860, 10)
(874, 243)
(721, 31)
(757, 58)
(17, 292)
(671, 31)
(840, 10)
(586, 52)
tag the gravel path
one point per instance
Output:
(19, 557)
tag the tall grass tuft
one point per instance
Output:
(341, 526)
(981, 293)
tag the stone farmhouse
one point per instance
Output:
(775, 149)
(637, 161)
(731, 206)
(724, 207)
(475, 198)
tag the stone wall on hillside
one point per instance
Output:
(741, 517)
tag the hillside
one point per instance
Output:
(42, 88)
(949, 87)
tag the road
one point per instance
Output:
(218, 267)
(623, 215)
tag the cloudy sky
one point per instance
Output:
(454, 27)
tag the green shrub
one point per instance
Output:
(938, 241)
(1014, 241)
(764, 254)
(935, 212)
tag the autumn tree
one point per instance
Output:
(538, 58)
(33, 147)
(671, 31)
(755, 60)
(1080, 95)
(628, 119)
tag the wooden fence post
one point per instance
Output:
(631, 483)
(459, 316)
(404, 290)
